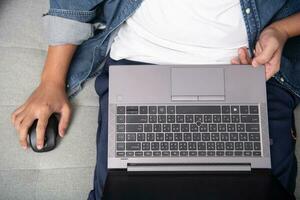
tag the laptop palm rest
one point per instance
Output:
(197, 84)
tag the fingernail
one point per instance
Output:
(39, 146)
(24, 147)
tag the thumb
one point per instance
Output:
(64, 121)
(264, 53)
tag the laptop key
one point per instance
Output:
(175, 153)
(138, 154)
(130, 137)
(169, 136)
(120, 127)
(134, 128)
(229, 153)
(234, 137)
(235, 109)
(120, 137)
(178, 136)
(133, 146)
(240, 127)
(201, 153)
(157, 128)
(171, 118)
(164, 146)
(141, 137)
(226, 118)
(173, 145)
(222, 127)
(129, 154)
(162, 110)
(152, 109)
(211, 146)
(143, 110)
(254, 137)
(170, 109)
(256, 146)
(207, 118)
(120, 146)
(256, 153)
(159, 136)
(189, 119)
(194, 128)
(147, 153)
(249, 118)
(156, 153)
(247, 153)
(235, 118)
(216, 118)
(166, 127)
(185, 128)
(244, 109)
(120, 154)
(165, 153)
(193, 153)
(198, 109)
(243, 136)
(150, 136)
(136, 119)
(201, 145)
(152, 119)
(252, 127)
(239, 146)
(215, 136)
(148, 127)
(211, 153)
(182, 146)
(192, 146)
(179, 118)
(238, 153)
(224, 136)
(162, 118)
(196, 136)
(120, 118)
(203, 128)
(229, 145)
(146, 146)
(231, 127)
(187, 136)
(225, 109)
(212, 127)
(121, 110)
(253, 109)
(205, 137)
(220, 145)
(220, 153)
(175, 127)
(154, 146)
(132, 110)
(183, 153)
(248, 146)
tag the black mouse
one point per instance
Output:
(50, 135)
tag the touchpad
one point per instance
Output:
(197, 83)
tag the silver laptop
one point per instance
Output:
(187, 118)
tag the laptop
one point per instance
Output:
(180, 118)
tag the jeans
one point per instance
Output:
(281, 104)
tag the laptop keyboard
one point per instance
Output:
(188, 131)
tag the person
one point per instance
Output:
(85, 37)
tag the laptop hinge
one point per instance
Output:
(187, 167)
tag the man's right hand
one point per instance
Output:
(48, 98)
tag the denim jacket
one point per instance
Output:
(91, 24)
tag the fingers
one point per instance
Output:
(24, 127)
(263, 54)
(16, 112)
(64, 121)
(236, 61)
(244, 56)
(41, 128)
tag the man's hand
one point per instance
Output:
(48, 98)
(267, 52)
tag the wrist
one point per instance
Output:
(56, 82)
(281, 29)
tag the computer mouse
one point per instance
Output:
(50, 135)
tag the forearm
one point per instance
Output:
(290, 25)
(57, 64)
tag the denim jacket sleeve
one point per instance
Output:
(70, 22)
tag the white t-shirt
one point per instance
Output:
(182, 32)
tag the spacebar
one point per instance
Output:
(198, 109)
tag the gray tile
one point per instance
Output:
(21, 23)
(64, 184)
(18, 184)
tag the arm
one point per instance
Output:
(269, 47)
(49, 97)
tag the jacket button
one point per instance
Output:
(282, 79)
(248, 10)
